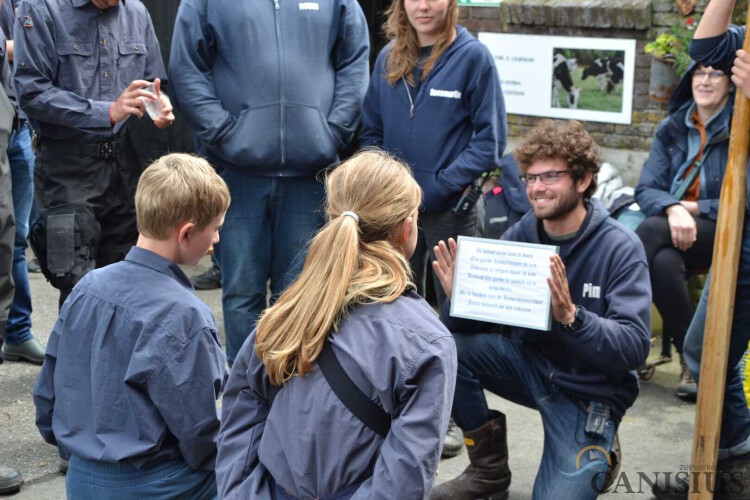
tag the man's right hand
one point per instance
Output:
(682, 226)
(445, 263)
(130, 102)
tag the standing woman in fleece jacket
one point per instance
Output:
(435, 102)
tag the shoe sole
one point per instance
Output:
(495, 496)
(451, 453)
(21, 357)
(206, 287)
(12, 488)
(687, 396)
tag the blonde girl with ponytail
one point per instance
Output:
(355, 293)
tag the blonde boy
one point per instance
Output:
(133, 366)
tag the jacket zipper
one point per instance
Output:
(408, 94)
(277, 18)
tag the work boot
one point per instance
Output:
(687, 388)
(454, 440)
(733, 481)
(488, 475)
(210, 280)
(10, 480)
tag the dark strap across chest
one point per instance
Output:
(357, 402)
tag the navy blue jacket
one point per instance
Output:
(598, 361)
(458, 129)
(669, 152)
(275, 86)
(133, 368)
(72, 60)
(718, 51)
(312, 445)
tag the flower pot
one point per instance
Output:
(663, 80)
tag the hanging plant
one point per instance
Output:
(672, 47)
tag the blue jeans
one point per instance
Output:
(265, 236)
(91, 480)
(734, 438)
(572, 462)
(21, 159)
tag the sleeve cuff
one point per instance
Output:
(100, 114)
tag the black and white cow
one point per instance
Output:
(562, 69)
(608, 71)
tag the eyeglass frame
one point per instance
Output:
(714, 76)
(529, 179)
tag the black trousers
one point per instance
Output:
(668, 267)
(434, 227)
(88, 195)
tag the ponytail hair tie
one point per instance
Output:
(350, 214)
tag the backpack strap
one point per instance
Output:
(362, 407)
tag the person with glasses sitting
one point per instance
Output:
(601, 306)
(679, 192)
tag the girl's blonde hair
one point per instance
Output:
(405, 50)
(348, 262)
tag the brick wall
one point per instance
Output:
(624, 145)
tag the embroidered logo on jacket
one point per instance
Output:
(450, 94)
(309, 6)
(592, 291)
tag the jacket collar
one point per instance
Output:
(530, 225)
(149, 259)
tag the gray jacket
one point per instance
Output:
(312, 445)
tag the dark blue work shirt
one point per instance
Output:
(6, 29)
(73, 59)
(7, 13)
(5, 77)
(133, 368)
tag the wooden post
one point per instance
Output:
(727, 245)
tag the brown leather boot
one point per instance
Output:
(488, 475)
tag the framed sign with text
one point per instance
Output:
(587, 79)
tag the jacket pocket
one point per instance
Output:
(309, 141)
(131, 61)
(77, 65)
(254, 139)
(437, 195)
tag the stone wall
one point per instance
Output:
(623, 145)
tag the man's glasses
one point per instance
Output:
(549, 177)
(713, 76)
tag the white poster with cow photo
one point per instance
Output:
(587, 79)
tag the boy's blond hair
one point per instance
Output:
(175, 189)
